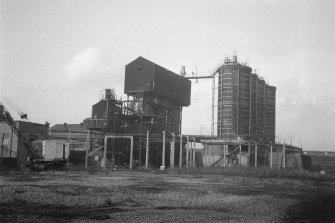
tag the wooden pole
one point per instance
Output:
(11, 144)
(163, 152)
(240, 153)
(131, 153)
(181, 152)
(255, 155)
(249, 149)
(147, 152)
(3, 138)
(193, 155)
(87, 147)
(172, 151)
(284, 155)
(104, 161)
(224, 154)
(187, 150)
(271, 152)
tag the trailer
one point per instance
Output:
(51, 154)
(42, 154)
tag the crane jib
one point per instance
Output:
(6, 116)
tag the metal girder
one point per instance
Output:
(6, 116)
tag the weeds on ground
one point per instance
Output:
(260, 172)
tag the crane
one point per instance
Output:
(6, 116)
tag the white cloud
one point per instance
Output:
(88, 62)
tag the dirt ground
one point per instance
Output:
(124, 196)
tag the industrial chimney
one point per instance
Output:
(108, 94)
(182, 71)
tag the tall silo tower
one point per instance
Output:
(246, 104)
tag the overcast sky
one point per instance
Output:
(57, 55)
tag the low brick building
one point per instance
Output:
(12, 151)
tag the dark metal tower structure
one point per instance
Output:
(155, 98)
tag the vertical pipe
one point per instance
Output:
(2, 140)
(193, 155)
(213, 101)
(207, 154)
(187, 150)
(284, 155)
(255, 155)
(181, 151)
(131, 152)
(11, 144)
(172, 151)
(271, 155)
(49, 133)
(238, 102)
(171, 155)
(147, 152)
(87, 147)
(221, 105)
(107, 114)
(180, 118)
(224, 154)
(140, 147)
(240, 157)
(163, 152)
(256, 111)
(190, 154)
(249, 112)
(249, 149)
(105, 154)
(264, 118)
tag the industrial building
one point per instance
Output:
(152, 115)
(245, 109)
(13, 152)
(156, 96)
(146, 126)
(246, 104)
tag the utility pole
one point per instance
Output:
(87, 148)
(147, 152)
(181, 152)
(163, 152)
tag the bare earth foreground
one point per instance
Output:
(126, 196)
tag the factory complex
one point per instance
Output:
(145, 129)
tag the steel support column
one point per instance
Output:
(163, 152)
(181, 152)
(147, 152)
(255, 155)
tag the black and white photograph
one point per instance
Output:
(167, 111)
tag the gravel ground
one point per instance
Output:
(124, 196)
